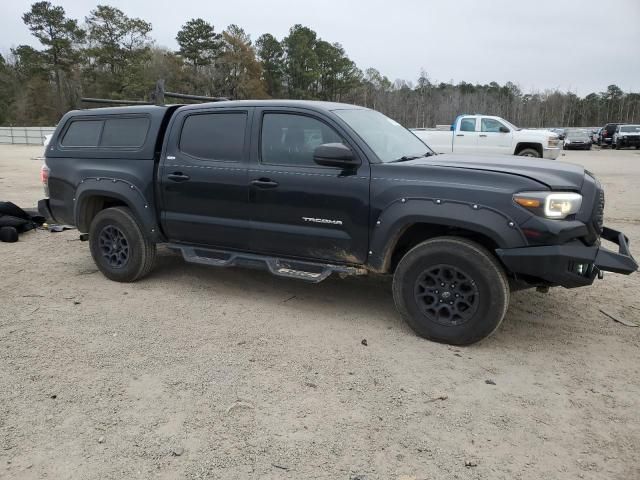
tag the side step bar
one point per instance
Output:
(298, 269)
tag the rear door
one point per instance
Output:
(491, 139)
(465, 139)
(298, 208)
(203, 177)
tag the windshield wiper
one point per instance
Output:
(406, 158)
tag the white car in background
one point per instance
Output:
(489, 134)
(626, 136)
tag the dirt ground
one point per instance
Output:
(199, 372)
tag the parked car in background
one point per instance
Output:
(606, 134)
(595, 135)
(577, 140)
(488, 134)
(626, 136)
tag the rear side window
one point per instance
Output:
(116, 132)
(124, 132)
(214, 136)
(468, 125)
(83, 133)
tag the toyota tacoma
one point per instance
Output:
(307, 189)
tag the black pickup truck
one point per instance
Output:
(307, 189)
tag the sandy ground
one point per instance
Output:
(199, 372)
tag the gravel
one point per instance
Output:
(199, 372)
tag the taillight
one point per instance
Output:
(44, 178)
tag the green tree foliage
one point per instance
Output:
(271, 55)
(117, 52)
(59, 36)
(116, 58)
(301, 62)
(199, 44)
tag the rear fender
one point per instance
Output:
(121, 190)
(401, 214)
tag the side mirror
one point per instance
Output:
(504, 130)
(335, 155)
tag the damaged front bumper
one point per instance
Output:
(572, 264)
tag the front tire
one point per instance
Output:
(529, 152)
(451, 290)
(120, 249)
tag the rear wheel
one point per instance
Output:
(451, 290)
(119, 247)
(529, 152)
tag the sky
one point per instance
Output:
(576, 45)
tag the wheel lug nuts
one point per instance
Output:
(450, 303)
(457, 296)
(440, 300)
(437, 291)
(442, 284)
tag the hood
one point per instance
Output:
(541, 132)
(555, 175)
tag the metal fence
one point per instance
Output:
(24, 135)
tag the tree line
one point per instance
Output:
(112, 55)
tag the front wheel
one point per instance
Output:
(119, 247)
(451, 290)
(529, 152)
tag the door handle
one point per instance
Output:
(178, 177)
(264, 183)
(483, 135)
(460, 135)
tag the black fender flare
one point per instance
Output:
(401, 214)
(121, 190)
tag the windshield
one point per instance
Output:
(630, 128)
(389, 140)
(511, 125)
(576, 135)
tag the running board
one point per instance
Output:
(298, 269)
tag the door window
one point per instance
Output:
(468, 125)
(490, 125)
(214, 136)
(289, 139)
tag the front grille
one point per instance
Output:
(597, 217)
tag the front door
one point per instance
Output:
(492, 140)
(298, 208)
(203, 178)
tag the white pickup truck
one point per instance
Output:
(488, 134)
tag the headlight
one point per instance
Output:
(567, 141)
(550, 204)
(553, 142)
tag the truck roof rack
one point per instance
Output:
(158, 96)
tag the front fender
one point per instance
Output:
(401, 214)
(118, 189)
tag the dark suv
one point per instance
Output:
(307, 189)
(605, 137)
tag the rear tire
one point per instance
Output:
(529, 152)
(120, 249)
(473, 301)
